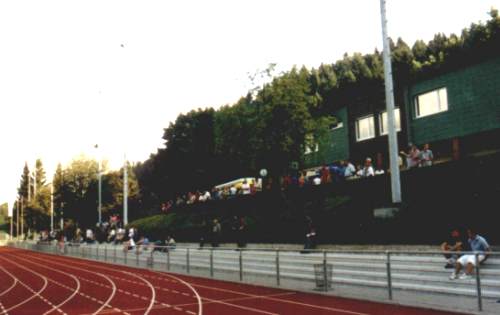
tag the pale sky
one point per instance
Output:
(66, 82)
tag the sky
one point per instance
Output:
(115, 72)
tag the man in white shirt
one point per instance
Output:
(368, 169)
(350, 170)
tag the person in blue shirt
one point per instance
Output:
(479, 246)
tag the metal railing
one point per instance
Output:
(296, 270)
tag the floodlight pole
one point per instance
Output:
(125, 192)
(389, 98)
(99, 209)
(11, 223)
(51, 207)
(17, 217)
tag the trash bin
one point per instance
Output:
(323, 283)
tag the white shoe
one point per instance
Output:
(464, 277)
(453, 276)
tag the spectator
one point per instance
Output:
(89, 236)
(454, 243)
(426, 156)
(480, 247)
(325, 175)
(302, 180)
(112, 235)
(412, 157)
(170, 243)
(241, 239)
(349, 169)
(310, 242)
(232, 191)
(216, 232)
(245, 188)
(367, 170)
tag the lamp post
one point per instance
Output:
(125, 192)
(389, 98)
(51, 207)
(99, 187)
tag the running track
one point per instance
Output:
(36, 283)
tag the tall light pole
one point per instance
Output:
(11, 215)
(51, 207)
(99, 186)
(17, 217)
(125, 192)
(22, 217)
(389, 98)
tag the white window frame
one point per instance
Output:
(442, 94)
(397, 115)
(356, 126)
(337, 126)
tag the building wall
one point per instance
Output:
(337, 149)
(473, 104)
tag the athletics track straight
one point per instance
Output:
(36, 283)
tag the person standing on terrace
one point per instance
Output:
(426, 156)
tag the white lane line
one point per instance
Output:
(200, 304)
(11, 287)
(35, 294)
(54, 307)
(3, 309)
(326, 308)
(113, 286)
(241, 299)
(75, 290)
(153, 291)
(153, 300)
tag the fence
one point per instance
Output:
(382, 275)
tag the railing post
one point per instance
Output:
(478, 285)
(114, 255)
(241, 264)
(211, 262)
(125, 254)
(152, 259)
(137, 255)
(325, 274)
(278, 277)
(97, 252)
(168, 259)
(187, 261)
(105, 253)
(389, 277)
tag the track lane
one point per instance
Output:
(3, 283)
(124, 295)
(79, 300)
(26, 301)
(219, 297)
(161, 298)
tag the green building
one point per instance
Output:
(457, 113)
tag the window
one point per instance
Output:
(365, 128)
(383, 121)
(431, 103)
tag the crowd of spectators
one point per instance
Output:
(328, 173)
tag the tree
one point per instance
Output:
(39, 173)
(25, 182)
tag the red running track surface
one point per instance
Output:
(36, 283)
